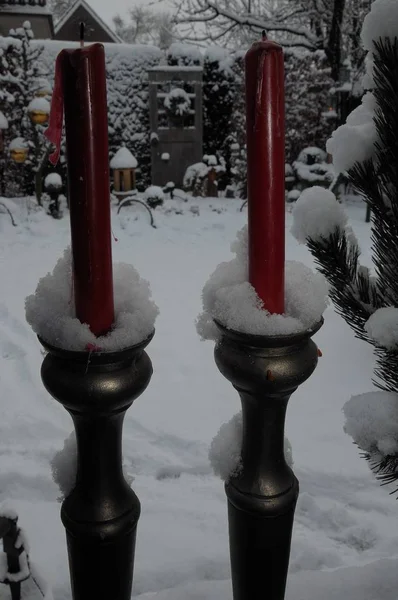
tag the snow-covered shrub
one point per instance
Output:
(307, 94)
(154, 196)
(311, 169)
(219, 92)
(200, 177)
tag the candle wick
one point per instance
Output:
(81, 35)
(264, 35)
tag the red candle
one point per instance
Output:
(265, 114)
(81, 86)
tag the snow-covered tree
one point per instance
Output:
(145, 26)
(329, 25)
(367, 148)
(59, 7)
(20, 74)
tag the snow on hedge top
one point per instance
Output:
(317, 215)
(382, 327)
(380, 22)
(39, 105)
(355, 140)
(372, 422)
(51, 311)
(229, 298)
(181, 50)
(3, 121)
(123, 159)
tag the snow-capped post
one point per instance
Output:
(266, 366)
(265, 123)
(95, 364)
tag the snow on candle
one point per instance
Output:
(265, 122)
(80, 87)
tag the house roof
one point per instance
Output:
(82, 3)
(34, 7)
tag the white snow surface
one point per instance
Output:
(183, 50)
(39, 105)
(380, 22)
(123, 159)
(53, 179)
(317, 215)
(3, 121)
(225, 449)
(382, 327)
(229, 298)
(355, 140)
(343, 545)
(51, 312)
(372, 422)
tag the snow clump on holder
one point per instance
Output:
(51, 312)
(229, 298)
(226, 447)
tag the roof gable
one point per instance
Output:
(97, 30)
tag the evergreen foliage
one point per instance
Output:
(354, 292)
(20, 71)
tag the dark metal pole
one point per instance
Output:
(262, 496)
(101, 513)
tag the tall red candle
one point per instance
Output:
(81, 75)
(265, 114)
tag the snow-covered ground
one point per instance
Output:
(345, 543)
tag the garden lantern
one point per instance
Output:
(18, 150)
(39, 110)
(123, 165)
(53, 185)
(3, 127)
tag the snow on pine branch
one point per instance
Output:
(229, 298)
(382, 327)
(51, 311)
(317, 215)
(355, 140)
(372, 422)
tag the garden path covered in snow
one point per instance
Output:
(343, 543)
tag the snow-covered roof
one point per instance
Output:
(123, 159)
(35, 7)
(82, 3)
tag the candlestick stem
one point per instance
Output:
(262, 496)
(101, 513)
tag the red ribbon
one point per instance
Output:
(54, 130)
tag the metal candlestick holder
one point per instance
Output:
(101, 513)
(262, 496)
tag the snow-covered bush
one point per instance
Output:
(311, 169)
(154, 196)
(200, 177)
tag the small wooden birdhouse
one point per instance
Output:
(18, 150)
(123, 165)
(3, 127)
(39, 110)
